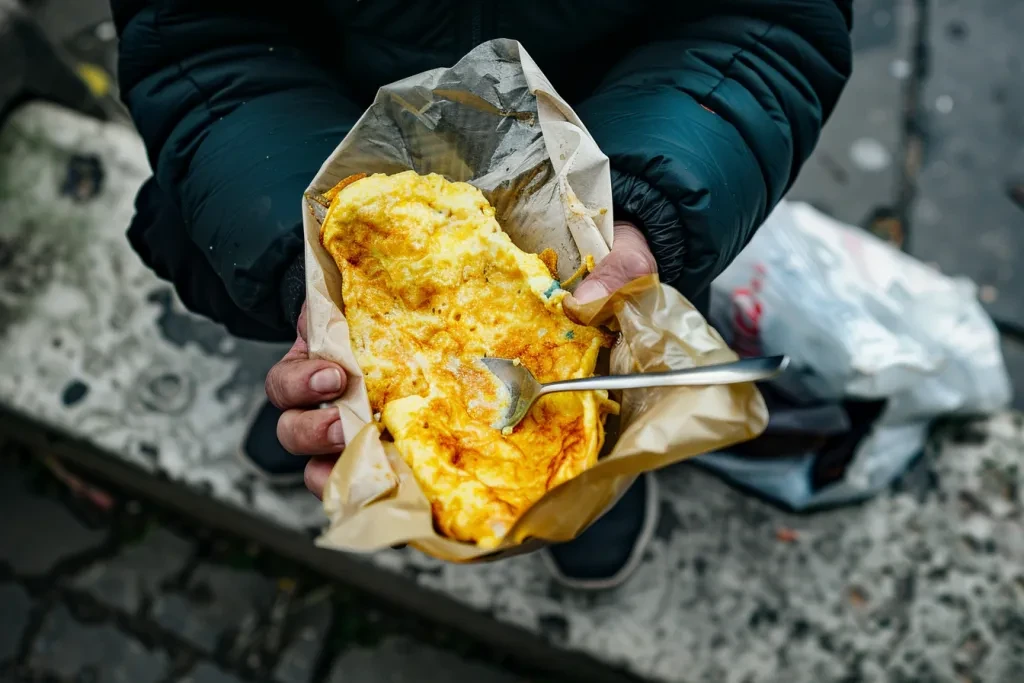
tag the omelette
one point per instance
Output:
(430, 285)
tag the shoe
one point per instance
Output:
(608, 552)
(264, 455)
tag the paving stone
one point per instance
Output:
(306, 633)
(217, 602)
(37, 532)
(137, 572)
(71, 650)
(855, 167)
(969, 213)
(15, 604)
(204, 672)
(62, 19)
(397, 660)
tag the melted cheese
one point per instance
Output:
(431, 284)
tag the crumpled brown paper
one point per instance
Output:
(495, 121)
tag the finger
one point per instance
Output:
(298, 351)
(298, 382)
(629, 259)
(317, 472)
(301, 325)
(311, 432)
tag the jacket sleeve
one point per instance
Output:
(707, 123)
(237, 118)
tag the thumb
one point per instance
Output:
(629, 259)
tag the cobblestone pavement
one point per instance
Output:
(130, 595)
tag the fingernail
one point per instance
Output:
(591, 290)
(336, 434)
(325, 381)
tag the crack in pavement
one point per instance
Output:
(912, 148)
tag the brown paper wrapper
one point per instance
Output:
(494, 120)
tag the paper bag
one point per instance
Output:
(495, 121)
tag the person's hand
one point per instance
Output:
(297, 385)
(630, 258)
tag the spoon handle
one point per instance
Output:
(746, 370)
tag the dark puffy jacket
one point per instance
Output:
(706, 110)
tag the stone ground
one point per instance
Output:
(130, 594)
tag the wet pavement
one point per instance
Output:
(923, 584)
(969, 213)
(131, 595)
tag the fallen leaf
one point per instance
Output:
(786, 535)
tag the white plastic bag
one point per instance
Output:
(860, 320)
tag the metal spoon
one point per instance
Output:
(524, 389)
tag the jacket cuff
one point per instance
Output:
(640, 203)
(293, 290)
